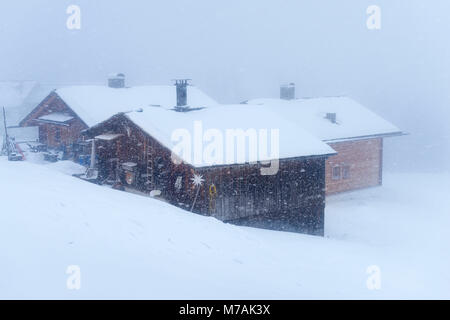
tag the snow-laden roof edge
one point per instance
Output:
(160, 124)
(94, 104)
(353, 120)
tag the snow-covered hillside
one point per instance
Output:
(129, 246)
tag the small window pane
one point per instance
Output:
(336, 174)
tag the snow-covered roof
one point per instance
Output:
(20, 97)
(162, 124)
(56, 117)
(24, 134)
(13, 94)
(353, 120)
(94, 104)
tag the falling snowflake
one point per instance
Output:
(197, 180)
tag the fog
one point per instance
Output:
(238, 50)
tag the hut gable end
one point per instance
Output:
(52, 103)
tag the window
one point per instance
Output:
(339, 172)
(346, 172)
(57, 135)
(336, 173)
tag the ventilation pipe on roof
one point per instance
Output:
(181, 85)
(287, 91)
(116, 80)
(331, 116)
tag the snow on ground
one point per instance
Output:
(129, 246)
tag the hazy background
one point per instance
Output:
(236, 50)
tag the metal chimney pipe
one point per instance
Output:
(287, 91)
(116, 80)
(181, 85)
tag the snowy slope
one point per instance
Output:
(129, 246)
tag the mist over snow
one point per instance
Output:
(238, 50)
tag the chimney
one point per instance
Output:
(181, 85)
(331, 116)
(116, 80)
(287, 91)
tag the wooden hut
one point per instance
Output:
(138, 150)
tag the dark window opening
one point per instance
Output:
(57, 135)
(336, 173)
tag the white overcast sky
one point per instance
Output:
(237, 50)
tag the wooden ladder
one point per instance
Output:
(149, 168)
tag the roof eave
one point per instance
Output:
(59, 123)
(306, 157)
(373, 136)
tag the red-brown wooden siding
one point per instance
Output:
(47, 131)
(364, 160)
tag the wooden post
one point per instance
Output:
(6, 140)
(92, 165)
(195, 200)
(91, 170)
